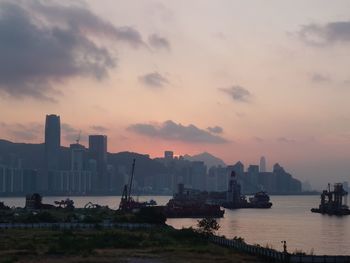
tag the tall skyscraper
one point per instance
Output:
(98, 152)
(262, 164)
(52, 148)
(52, 141)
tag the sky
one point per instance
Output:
(239, 79)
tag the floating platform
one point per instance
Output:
(193, 211)
(188, 203)
(333, 202)
(234, 199)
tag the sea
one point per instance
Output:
(288, 220)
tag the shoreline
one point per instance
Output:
(111, 195)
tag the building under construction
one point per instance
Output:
(333, 202)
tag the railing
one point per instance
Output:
(276, 256)
(319, 259)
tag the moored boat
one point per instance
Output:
(260, 200)
(191, 205)
(235, 199)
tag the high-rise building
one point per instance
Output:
(77, 157)
(52, 141)
(198, 173)
(168, 155)
(238, 168)
(98, 152)
(52, 149)
(14, 180)
(253, 174)
(262, 164)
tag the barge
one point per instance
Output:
(234, 199)
(333, 202)
(191, 204)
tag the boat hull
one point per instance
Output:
(341, 212)
(193, 211)
(247, 205)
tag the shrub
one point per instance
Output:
(207, 226)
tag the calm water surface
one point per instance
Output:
(289, 219)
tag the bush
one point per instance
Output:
(207, 226)
(46, 217)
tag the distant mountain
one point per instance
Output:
(209, 159)
(144, 168)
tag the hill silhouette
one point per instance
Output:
(209, 159)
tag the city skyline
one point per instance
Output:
(97, 147)
(236, 79)
(79, 170)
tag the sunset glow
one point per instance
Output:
(238, 79)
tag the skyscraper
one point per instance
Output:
(262, 164)
(98, 152)
(52, 141)
(52, 148)
(77, 157)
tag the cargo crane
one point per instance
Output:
(127, 203)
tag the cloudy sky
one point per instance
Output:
(238, 79)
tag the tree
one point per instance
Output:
(207, 226)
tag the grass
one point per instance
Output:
(138, 246)
(150, 215)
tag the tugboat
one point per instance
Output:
(191, 205)
(333, 202)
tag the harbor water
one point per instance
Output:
(289, 219)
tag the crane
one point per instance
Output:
(127, 203)
(132, 177)
(78, 138)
